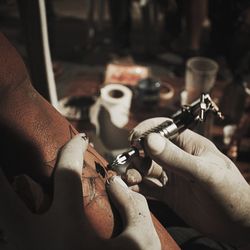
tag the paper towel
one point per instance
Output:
(116, 99)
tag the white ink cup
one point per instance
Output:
(200, 77)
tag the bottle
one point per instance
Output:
(232, 106)
(233, 101)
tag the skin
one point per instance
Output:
(64, 225)
(204, 187)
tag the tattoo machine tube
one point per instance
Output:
(187, 117)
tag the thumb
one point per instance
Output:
(124, 199)
(68, 186)
(135, 215)
(170, 156)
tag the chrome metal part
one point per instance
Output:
(186, 117)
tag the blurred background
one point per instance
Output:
(143, 46)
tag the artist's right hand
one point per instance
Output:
(204, 187)
(65, 226)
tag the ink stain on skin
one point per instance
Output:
(100, 170)
(92, 189)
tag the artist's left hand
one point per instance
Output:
(64, 226)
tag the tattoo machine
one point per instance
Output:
(187, 117)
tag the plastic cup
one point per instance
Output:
(200, 77)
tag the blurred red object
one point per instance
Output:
(125, 74)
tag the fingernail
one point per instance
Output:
(156, 143)
(130, 178)
(133, 176)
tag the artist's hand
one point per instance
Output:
(65, 226)
(203, 186)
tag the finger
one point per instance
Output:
(125, 200)
(154, 182)
(132, 177)
(146, 167)
(167, 154)
(134, 211)
(145, 126)
(68, 174)
(147, 189)
(193, 143)
(121, 196)
(149, 185)
(12, 208)
(156, 173)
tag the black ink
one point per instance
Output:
(92, 190)
(99, 169)
(85, 137)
